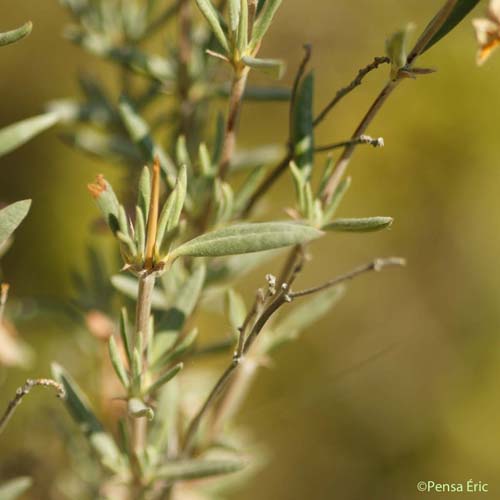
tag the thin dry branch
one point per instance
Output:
(24, 391)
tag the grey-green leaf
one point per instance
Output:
(273, 67)
(163, 379)
(263, 22)
(212, 17)
(140, 133)
(10, 218)
(459, 12)
(247, 238)
(15, 35)
(14, 488)
(117, 362)
(76, 402)
(17, 134)
(197, 469)
(302, 125)
(361, 225)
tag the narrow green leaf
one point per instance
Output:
(247, 238)
(248, 188)
(178, 350)
(299, 182)
(14, 488)
(212, 17)
(302, 125)
(76, 402)
(138, 409)
(181, 152)
(251, 158)
(337, 198)
(17, 134)
(396, 49)
(144, 195)
(460, 11)
(187, 298)
(117, 362)
(363, 225)
(125, 335)
(263, 22)
(136, 375)
(79, 408)
(10, 218)
(140, 134)
(13, 36)
(114, 148)
(198, 469)
(236, 309)
(273, 67)
(224, 202)
(234, 7)
(163, 379)
(171, 213)
(242, 39)
(140, 231)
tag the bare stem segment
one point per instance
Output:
(24, 391)
(143, 313)
(235, 99)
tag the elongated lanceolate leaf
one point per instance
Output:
(363, 225)
(273, 67)
(17, 134)
(263, 22)
(11, 217)
(459, 12)
(13, 36)
(212, 17)
(82, 413)
(14, 488)
(247, 238)
(302, 125)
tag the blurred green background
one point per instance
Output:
(400, 382)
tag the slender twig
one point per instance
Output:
(377, 61)
(376, 265)
(24, 391)
(142, 318)
(376, 142)
(345, 158)
(211, 399)
(282, 166)
(343, 162)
